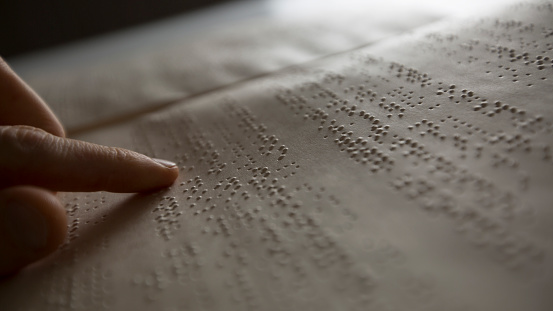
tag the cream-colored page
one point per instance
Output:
(414, 174)
(107, 91)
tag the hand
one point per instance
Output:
(36, 160)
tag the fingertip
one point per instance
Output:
(130, 171)
(33, 224)
(168, 172)
(165, 163)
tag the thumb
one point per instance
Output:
(33, 224)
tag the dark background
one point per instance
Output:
(27, 25)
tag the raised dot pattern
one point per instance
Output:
(383, 179)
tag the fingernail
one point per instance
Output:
(25, 226)
(165, 163)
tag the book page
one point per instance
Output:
(412, 174)
(107, 91)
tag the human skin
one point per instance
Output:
(36, 160)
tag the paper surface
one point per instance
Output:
(413, 174)
(113, 89)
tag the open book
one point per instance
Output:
(415, 173)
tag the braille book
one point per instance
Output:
(412, 173)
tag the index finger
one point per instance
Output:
(30, 156)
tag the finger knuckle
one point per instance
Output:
(119, 155)
(23, 138)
